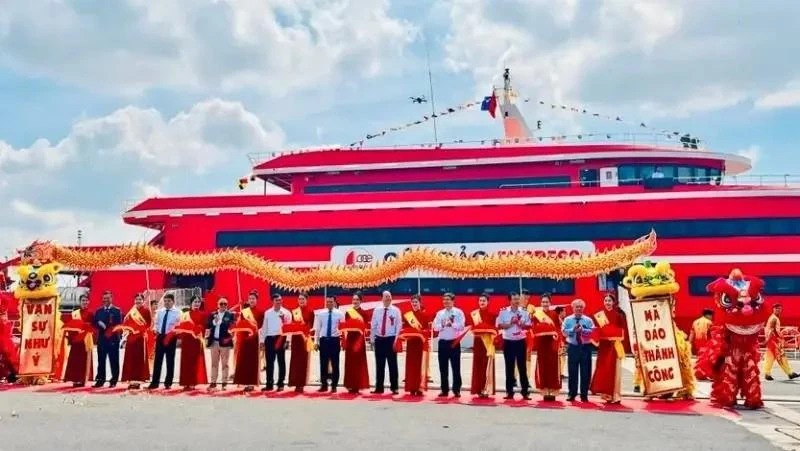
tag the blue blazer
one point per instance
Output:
(225, 339)
(111, 318)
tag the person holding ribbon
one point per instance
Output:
(327, 337)
(167, 318)
(610, 331)
(356, 374)
(483, 322)
(384, 328)
(247, 343)
(415, 336)
(450, 323)
(137, 338)
(105, 320)
(546, 327)
(193, 350)
(274, 342)
(301, 344)
(577, 329)
(80, 334)
(515, 321)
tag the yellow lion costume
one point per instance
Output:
(648, 280)
(39, 280)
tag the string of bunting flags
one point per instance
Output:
(489, 104)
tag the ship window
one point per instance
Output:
(627, 175)
(439, 286)
(536, 232)
(526, 182)
(701, 175)
(685, 174)
(645, 172)
(782, 285)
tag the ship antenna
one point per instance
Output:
(430, 86)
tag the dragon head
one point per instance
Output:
(741, 301)
(37, 281)
(648, 280)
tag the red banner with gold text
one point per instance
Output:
(38, 327)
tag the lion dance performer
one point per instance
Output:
(731, 357)
(775, 351)
(649, 281)
(9, 356)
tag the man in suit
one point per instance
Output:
(105, 318)
(327, 339)
(220, 342)
(385, 326)
(167, 318)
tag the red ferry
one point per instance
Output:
(356, 205)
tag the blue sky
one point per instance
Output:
(102, 105)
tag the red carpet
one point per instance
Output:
(629, 405)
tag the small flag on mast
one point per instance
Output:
(490, 104)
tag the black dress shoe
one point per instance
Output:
(769, 377)
(511, 396)
(112, 385)
(395, 392)
(323, 389)
(152, 386)
(167, 387)
(526, 396)
(456, 394)
(280, 388)
(97, 385)
(334, 389)
(376, 392)
(794, 376)
(584, 399)
(443, 395)
(267, 388)
(570, 399)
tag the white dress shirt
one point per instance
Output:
(449, 323)
(393, 321)
(518, 318)
(321, 323)
(173, 318)
(217, 323)
(274, 321)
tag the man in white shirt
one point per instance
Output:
(449, 323)
(385, 326)
(326, 337)
(514, 321)
(167, 318)
(274, 342)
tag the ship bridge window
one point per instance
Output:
(516, 182)
(783, 285)
(634, 174)
(438, 286)
(537, 232)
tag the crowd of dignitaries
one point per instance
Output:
(255, 339)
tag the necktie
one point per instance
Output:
(164, 323)
(383, 324)
(330, 324)
(578, 338)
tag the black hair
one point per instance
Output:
(169, 296)
(276, 296)
(512, 294)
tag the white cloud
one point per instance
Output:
(785, 98)
(90, 176)
(753, 152)
(269, 45)
(660, 57)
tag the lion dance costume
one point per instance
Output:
(648, 281)
(9, 355)
(731, 356)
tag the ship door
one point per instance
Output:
(608, 177)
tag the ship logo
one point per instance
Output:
(358, 257)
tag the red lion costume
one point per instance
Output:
(9, 355)
(731, 356)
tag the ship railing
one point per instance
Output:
(765, 180)
(660, 140)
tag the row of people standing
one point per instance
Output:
(520, 328)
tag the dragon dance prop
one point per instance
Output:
(663, 354)
(426, 259)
